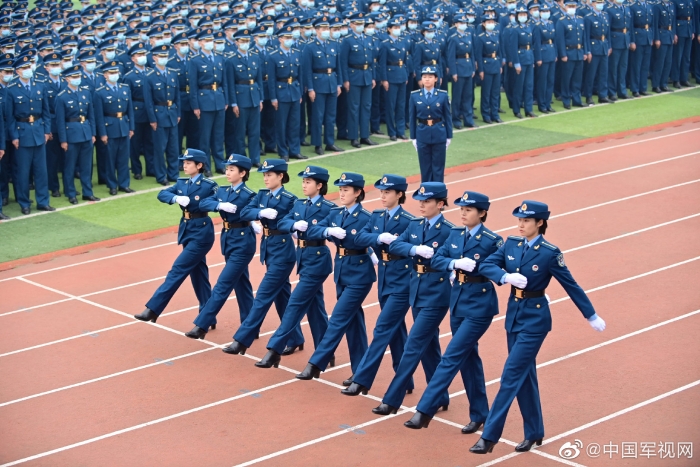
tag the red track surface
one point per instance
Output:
(83, 383)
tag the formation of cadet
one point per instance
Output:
(260, 77)
(424, 263)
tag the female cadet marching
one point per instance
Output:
(527, 262)
(314, 265)
(473, 304)
(276, 253)
(429, 293)
(353, 273)
(392, 285)
(237, 246)
(195, 234)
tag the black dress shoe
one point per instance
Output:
(112, 191)
(235, 348)
(378, 132)
(196, 333)
(331, 362)
(483, 446)
(207, 173)
(665, 89)
(355, 143)
(334, 148)
(271, 359)
(635, 94)
(354, 390)
(393, 138)
(657, 90)
(471, 125)
(4, 217)
(457, 126)
(319, 150)
(26, 211)
(384, 409)
(531, 114)
(348, 381)
(290, 350)
(220, 171)
(418, 421)
(612, 98)
(147, 315)
(527, 444)
(127, 190)
(298, 156)
(402, 137)
(686, 84)
(501, 111)
(605, 100)
(551, 110)
(138, 177)
(677, 84)
(90, 198)
(165, 182)
(55, 194)
(5, 201)
(73, 200)
(518, 115)
(580, 104)
(270, 151)
(285, 158)
(212, 327)
(471, 427)
(623, 96)
(643, 93)
(367, 142)
(46, 208)
(589, 102)
(497, 120)
(304, 143)
(311, 371)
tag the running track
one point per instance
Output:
(84, 383)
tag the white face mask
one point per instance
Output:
(208, 46)
(110, 54)
(535, 14)
(162, 61)
(370, 31)
(462, 27)
(220, 47)
(359, 29)
(184, 49)
(545, 15)
(262, 42)
(223, 9)
(75, 82)
(141, 61)
(113, 78)
(522, 19)
(66, 65)
(490, 26)
(251, 24)
(55, 71)
(7, 78)
(599, 6)
(571, 11)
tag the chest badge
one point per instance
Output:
(453, 245)
(314, 222)
(196, 198)
(510, 258)
(435, 244)
(535, 267)
(353, 231)
(477, 256)
(414, 236)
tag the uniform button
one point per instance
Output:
(361, 261)
(242, 233)
(517, 269)
(516, 299)
(483, 290)
(441, 279)
(284, 240)
(538, 305)
(318, 252)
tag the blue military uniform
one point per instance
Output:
(195, 234)
(686, 24)
(620, 39)
(571, 44)
(237, 247)
(142, 140)
(519, 52)
(276, 253)
(473, 304)
(545, 52)
(314, 265)
(394, 56)
(267, 115)
(430, 121)
(597, 27)
(394, 274)
(114, 119)
(429, 296)
(353, 274)
(665, 32)
(643, 24)
(208, 95)
(189, 125)
(460, 61)
(54, 153)
(488, 57)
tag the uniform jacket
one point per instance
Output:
(164, 88)
(199, 230)
(394, 61)
(22, 104)
(203, 73)
(108, 104)
(437, 108)
(282, 68)
(140, 93)
(244, 76)
(571, 38)
(322, 57)
(460, 54)
(357, 60)
(240, 240)
(73, 105)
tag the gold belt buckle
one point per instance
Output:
(420, 268)
(170, 103)
(527, 47)
(493, 54)
(518, 293)
(365, 66)
(226, 225)
(646, 26)
(186, 214)
(385, 256)
(461, 277)
(624, 30)
(330, 71)
(82, 119)
(31, 119)
(434, 62)
(429, 122)
(302, 243)
(251, 82)
(466, 56)
(400, 62)
(187, 88)
(550, 41)
(290, 80)
(578, 46)
(266, 231)
(341, 251)
(602, 38)
(213, 87)
(120, 114)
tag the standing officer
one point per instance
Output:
(267, 115)
(520, 54)
(29, 127)
(356, 63)
(429, 293)
(643, 20)
(430, 120)
(237, 246)
(283, 78)
(3, 217)
(687, 13)
(545, 59)
(208, 99)
(314, 265)
(665, 35)
(163, 110)
(189, 125)
(244, 76)
(394, 55)
(195, 234)
(54, 153)
(114, 122)
(489, 65)
(620, 40)
(527, 262)
(142, 141)
(75, 122)
(323, 81)
(460, 62)
(572, 48)
(597, 27)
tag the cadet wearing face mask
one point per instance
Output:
(179, 60)
(520, 54)
(597, 27)
(393, 69)
(545, 59)
(54, 153)
(620, 39)
(571, 48)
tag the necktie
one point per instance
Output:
(426, 227)
(211, 58)
(386, 219)
(345, 216)
(527, 247)
(466, 239)
(29, 88)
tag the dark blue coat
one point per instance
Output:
(394, 60)
(488, 53)
(685, 23)
(460, 54)
(665, 30)
(519, 47)
(52, 90)
(244, 76)
(620, 26)
(427, 53)
(162, 88)
(543, 36)
(203, 73)
(643, 23)
(571, 38)
(357, 60)
(110, 103)
(136, 80)
(181, 65)
(437, 108)
(281, 68)
(322, 56)
(239, 240)
(202, 229)
(597, 26)
(72, 105)
(21, 104)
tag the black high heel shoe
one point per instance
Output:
(348, 381)
(311, 371)
(418, 421)
(471, 427)
(527, 444)
(271, 359)
(385, 409)
(290, 350)
(235, 348)
(483, 446)
(212, 327)
(331, 362)
(354, 390)
(147, 315)
(196, 333)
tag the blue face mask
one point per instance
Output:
(325, 35)
(545, 15)
(288, 43)
(430, 35)
(109, 55)
(55, 71)
(75, 82)
(396, 32)
(462, 27)
(262, 42)
(113, 78)
(599, 6)
(522, 19)
(359, 29)
(511, 6)
(162, 61)
(90, 67)
(490, 26)
(335, 35)
(536, 14)
(244, 47)
(184, 50)
(296, 34)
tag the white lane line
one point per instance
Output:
(599, 421)
(376, 199)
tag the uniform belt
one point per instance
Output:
(288, 80)
(463, 278)
(524, 47)
(212, 86)
(31, 119)
(235, 225)
(683, 18)
(399, 63)
(245, 81)
(265, 78)
(600, 38)
(429, 62)
(309, 243)
(548, 41)
(81, 119)
(465, 55)
(194, 215)
(272, 232)
(185, 89)
(670, 28)
(164, 104)
(422, 268)
(430, 121)
(137, 100)
(493, 54)
(389, 257)
(646, 26)
(360, 67)
(116, 115)
(520, 293)
(324, 71)
(348, 252)
(623, 30)
(574, 47)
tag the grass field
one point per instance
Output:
(142, 212)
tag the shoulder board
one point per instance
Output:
(516, 238)
(122, 85)
(100, 88)
(62, 92)
(328, 203)
(442, 91)
(288, 194)
(39, 80)
(149, 72)
(208, 180)
(300, 200)
(549, 245)
(294, 49)
(183, 178)
(248, 190)
(337, 207)
(378, 211)
(417, 90)
(254, 51)
(482, 34)
(487, 233)
(129, 72)
(366, 212)
(408, 215)
(418, 219)
(447, 223)
(458, 228)
(15, 84)
(385, 40)
(173, 69)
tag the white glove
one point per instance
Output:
(547, 297)
(182, 201)
(257, 228)
(268, 213)
(294, 235)
(598, 324)
(300, 226)
(465, 264)
(517, 280)
(425, 251)
(375, 260)
(452, 278)
(415, 144)
(386, 237)
(337, 232)
(228, 207)
(447, 144)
